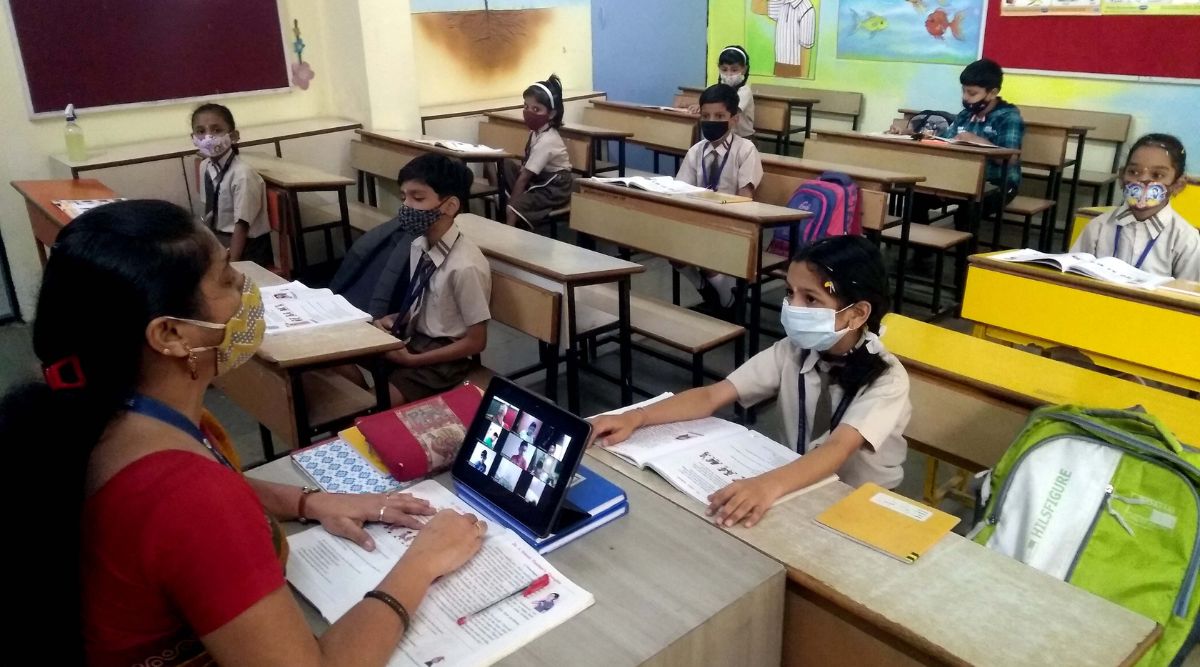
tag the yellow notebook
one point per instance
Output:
(359, 442)
(899, 527)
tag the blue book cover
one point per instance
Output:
(589, 492)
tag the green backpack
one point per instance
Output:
(1106, 500)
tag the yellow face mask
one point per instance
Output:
(243, 332)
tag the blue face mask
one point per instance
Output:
(811, 328)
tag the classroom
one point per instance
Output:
(592, 332)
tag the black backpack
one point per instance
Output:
(935, 121)
(374, 274)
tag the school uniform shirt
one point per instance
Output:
(745, 125)
(546, 152)
(880, 412)
(1171, 246)
(242, 195)
(743, 166)
(459, 290)
(1002, 126)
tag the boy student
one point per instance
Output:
(722, 162)
(443, 312)
(985, 119)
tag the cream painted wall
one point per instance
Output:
(361, 53)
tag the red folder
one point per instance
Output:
(422, 438)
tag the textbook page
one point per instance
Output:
(334, 573)
(701, 471)
(461, 146)
(1117, 271)
(1062, 262)
(294, 306)
(663, 185)
(651, 441)
(77, 207)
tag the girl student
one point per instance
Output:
(543, 181)
(1144, 230)
(843, 397)
(733, 70)
(234, 195)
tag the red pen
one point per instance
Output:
(534, 586)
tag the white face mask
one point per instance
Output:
(732, 79)
(811, 328)
(212, 145)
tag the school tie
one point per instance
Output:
(416, 289)
(714, 176)
(210, 198)
(823, 411)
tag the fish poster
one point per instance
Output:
(948, 32)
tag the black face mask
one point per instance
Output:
(713, 129)
(975, 107)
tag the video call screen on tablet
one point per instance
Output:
(520, 453)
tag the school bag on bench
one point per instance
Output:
(835, 204)
(1106, 500)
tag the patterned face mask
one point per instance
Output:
(243, 332)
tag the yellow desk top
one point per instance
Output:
(1027, 379)
(321, 344)
(1177, 300)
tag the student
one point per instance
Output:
(542, 183)
(519, 458)
(179, 555)
(444, 312)
(482, 463)
(722, 162)
(233, 194)
(1145, 231)
(843, 397)
(733, 67)
(986, 118)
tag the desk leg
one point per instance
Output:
(808, 120)
(344, 209)
(674, 285)
(1050, 216)
(621, 157)
(739, 313)
(379, 376)
(626, 339)
(905, 229)
(572, 354)
(278, 149)
(655, 161)
(501, 191)
(549, 355)
(1074, 191)
(300, 409)
(298, 234)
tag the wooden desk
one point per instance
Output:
(660, 130)
(583, 142)
(295, 178)
(271, 386)
(481, 107)
(950, 170)
(773, 108)
(1150, 333)
(652, 607)
(407, 144)
(846, 600)
(971, 396)
(783, 174)
(726, 238)
(181, 146)
(45, 218)
(559, 267)
(838, 103)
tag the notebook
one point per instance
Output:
(337, 466)
(888, 522)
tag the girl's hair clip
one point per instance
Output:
(829, 286)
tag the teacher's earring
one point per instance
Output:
(191, 362)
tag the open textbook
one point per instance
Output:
(333, 574)
(663, 185)
(77, 207)
(1109, 269)
(294, 305)
(460, 146)
(702, 456)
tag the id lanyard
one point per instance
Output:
(835, 419)
(155, 409)
(1145, 253)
